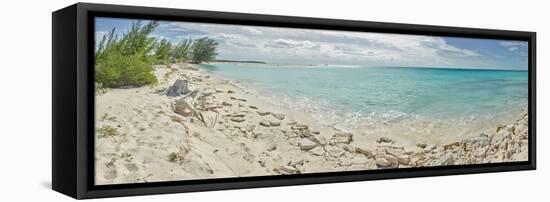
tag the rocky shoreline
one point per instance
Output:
(194, 126)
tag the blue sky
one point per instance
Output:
(307, 46)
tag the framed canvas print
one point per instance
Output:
(154, 100)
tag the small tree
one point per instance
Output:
(203, 50)
(182, 50)
(162, 52)
(126, 61)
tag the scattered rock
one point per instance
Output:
(230, 91)
(403, 159)
(272, 145)
(252, 107)
(386, 161)
(366, 152)
(274, 123)
(306, 144)
(278, 116)
(345, 138)
(238, 115)
(445, 160)
(237, 119)
(318, 139)
(263, 113)
(421, 145)
(265, 123)
(451, 145)
(318, 151)
(384, 140)
(178, 88)
(289, 169)
(334, 151)
(299, 127)
(224, 103)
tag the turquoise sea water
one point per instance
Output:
(339, 93)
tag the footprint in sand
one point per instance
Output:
(111, 174)
(131, 167)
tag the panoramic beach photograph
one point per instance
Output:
(178, 101)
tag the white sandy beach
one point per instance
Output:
(142, 137)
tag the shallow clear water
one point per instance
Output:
(390, 93)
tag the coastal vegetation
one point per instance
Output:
(129, 60)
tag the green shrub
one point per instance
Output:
(182, 50)
(162, 52)
(203, 50)
(126, 61)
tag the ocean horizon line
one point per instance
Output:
(254, 62)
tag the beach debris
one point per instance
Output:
(307, 144)
(278, 116)
(185, 109)
(384, 140)
(227, 104)
(263, 113)
(342, 137)
(178, 88)
(252, 107)
(230, 91)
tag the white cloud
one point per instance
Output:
(305, 46)
(514, 46)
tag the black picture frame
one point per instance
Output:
(73, 100)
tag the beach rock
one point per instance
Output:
(445, 160)
(348, 148)
(224, 103)
(252, 107)
(384, 140)
(366, 152)
(230, 91)
(386, 161)
(272, 145)
(403, 159)
(299, 127)
(318, 151)
(238, 115)
(178, 88)
(334, 151)
(274, 123)
(421, 145)
(265, 123)
(345, 138)
(263, 113)
(306, 144)
(278, 116)
(318, 139)
(237, 119)
(289, 169)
